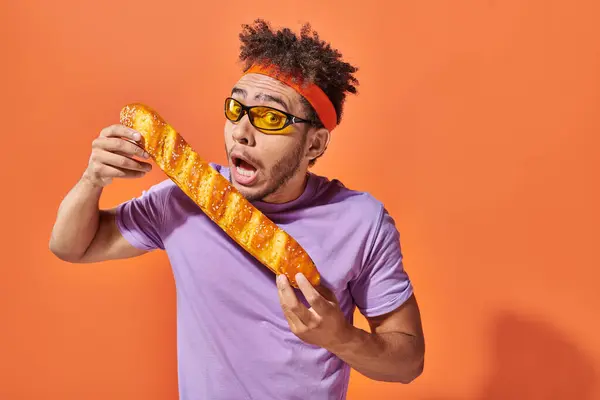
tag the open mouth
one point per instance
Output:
(244, 171)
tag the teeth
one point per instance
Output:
(244, 172)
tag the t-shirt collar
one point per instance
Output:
(299, 202)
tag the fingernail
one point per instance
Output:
(146, 155)
(137, 136)
(280, 279)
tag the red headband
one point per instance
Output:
(312, 93)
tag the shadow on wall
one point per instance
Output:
(532, 360)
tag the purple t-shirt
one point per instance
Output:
(233, 340)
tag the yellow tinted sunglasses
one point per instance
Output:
(268, 119)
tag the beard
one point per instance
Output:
(278, 175)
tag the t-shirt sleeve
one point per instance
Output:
(383, 284)
(141, 220)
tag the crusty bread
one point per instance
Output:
(217, 198)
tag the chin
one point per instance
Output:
(250, 193)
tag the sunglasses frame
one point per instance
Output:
(290, 119)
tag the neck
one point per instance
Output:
(289, 191)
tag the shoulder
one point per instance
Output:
(162, 188)
(359, 213)
(356, 204)
(156, 195)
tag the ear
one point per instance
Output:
(317, 143)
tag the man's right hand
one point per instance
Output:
(113, 156)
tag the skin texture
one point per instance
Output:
(392, 351)
(83, 233)
(282, 159)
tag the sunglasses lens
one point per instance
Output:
(267, 118)
(233, 109)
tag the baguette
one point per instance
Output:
(217, 197)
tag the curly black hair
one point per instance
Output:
(310, 57)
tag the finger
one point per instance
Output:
(120, 161)
(293, 320)
(118, 145)
(121, 131)
(293, 309)
(318, 303)
(108, 171)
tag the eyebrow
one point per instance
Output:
(261, 96)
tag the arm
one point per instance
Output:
(82, 232)
(381, 289)
(392, 352)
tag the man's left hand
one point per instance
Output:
(323, 324)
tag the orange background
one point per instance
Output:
(476, 123)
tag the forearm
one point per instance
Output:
(389, 356)
(77, 221)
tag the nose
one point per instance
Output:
(243, 132)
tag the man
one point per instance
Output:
(242, 332)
